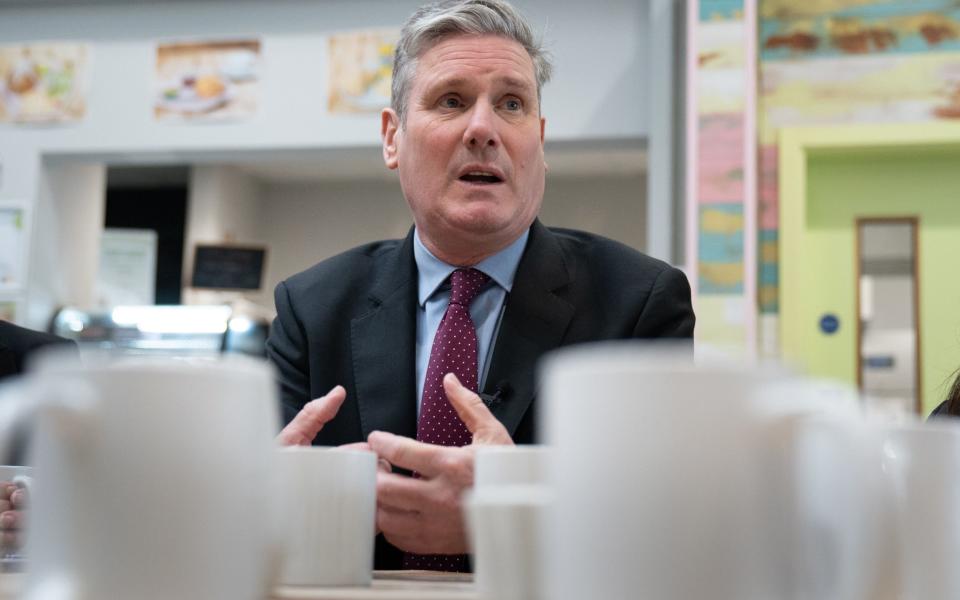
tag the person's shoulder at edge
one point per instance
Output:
(17, 345)
(950, 407)
(21, 339)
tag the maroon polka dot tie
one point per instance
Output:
(454, 351)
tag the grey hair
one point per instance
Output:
(431, 23)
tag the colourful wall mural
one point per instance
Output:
(819, 62)
(847, 61)
(722, 117)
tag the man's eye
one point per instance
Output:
(450, 102)
(512, 104)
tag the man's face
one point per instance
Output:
(470, 153)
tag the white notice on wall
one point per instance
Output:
(128, 267)
(12, 236)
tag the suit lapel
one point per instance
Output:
(534, 322)
(383, 346)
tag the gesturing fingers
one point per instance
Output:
(485, 427)
(19, 498)
(311, 419)
(355, 446)
(7, 488)
(425, 459)
(11, 520)
(399, 492)
(399, 523)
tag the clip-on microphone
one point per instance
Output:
(500, 393)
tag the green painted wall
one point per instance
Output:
(842, 186)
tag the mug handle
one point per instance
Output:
(16, 412)
(72, 412)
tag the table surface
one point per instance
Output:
(387, 585)
(391, 585)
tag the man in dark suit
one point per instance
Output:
(430, 343)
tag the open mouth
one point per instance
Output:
(480, 177)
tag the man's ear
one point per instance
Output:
(389, 127)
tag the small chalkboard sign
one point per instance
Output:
(227, 267)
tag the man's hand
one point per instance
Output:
(13, 502)
(311, 418)
(424, 515)
(382, 465)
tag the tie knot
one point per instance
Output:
(465, 284)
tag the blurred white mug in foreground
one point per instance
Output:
(923, 463)
(506, 527)
(508, 465)
(657, 475)
(327, 500)
(505, 514)
(149, 478)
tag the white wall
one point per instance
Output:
(598, 92)
(65, 246)
(223, 207)
(305, 223)
(611, 206)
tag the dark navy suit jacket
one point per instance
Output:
(351, 320)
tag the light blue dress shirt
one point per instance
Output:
(486, 309)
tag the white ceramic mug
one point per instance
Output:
(505, 514)
(151, 478)
(506, 528)
(505, 465)
(830, 506)
(656, 474)
(923, 461)
(327, 510)
(827, 531)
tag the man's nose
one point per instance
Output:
(481, 131)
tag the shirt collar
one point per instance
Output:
(432, 272)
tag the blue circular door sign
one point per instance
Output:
(829, 324)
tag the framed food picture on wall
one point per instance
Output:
(360, 68)
(44, 83)
(207, 80)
